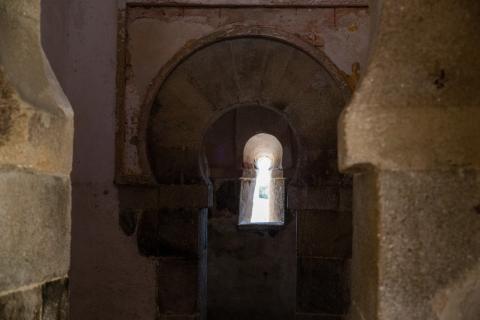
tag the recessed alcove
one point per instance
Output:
(214, 120)
(250, 153)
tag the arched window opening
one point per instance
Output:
(262, 182)
(261, 196)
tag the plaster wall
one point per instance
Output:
(109, 279)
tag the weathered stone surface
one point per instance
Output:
(168, 233)
(177, 286)
(36, 120)
(321, 285)
(36, 135)
(412, 133)
(459, 300)
(23, 60)
(22, 305)
(324, 234)
(424, 228)
(35, 139)
(35, 228)
(55, 298)
(417, 107)
(427, 240)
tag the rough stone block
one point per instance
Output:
(429, 234)
(177, 286)
(324, 234)
(36, 121)
(169, 233)
(34, 228)
(55, 296)
(321, 286)
(22, 305)
(38, 140)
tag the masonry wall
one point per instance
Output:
(80, 39)
(411, 137)
(36, 127)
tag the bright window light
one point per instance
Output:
(261, 197)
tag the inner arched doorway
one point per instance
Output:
(205, 110)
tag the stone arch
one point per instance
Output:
(233, 34)
(262, 145)
(237, 60)
(279, 126)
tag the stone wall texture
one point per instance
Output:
(36, 131)
(411, 137)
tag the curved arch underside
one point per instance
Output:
(234, 72)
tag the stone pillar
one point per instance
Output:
(35, 161)
(411, 136)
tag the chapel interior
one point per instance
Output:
(239, 160)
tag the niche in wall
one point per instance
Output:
(233, 146)
(247, 262)
(199, 97)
